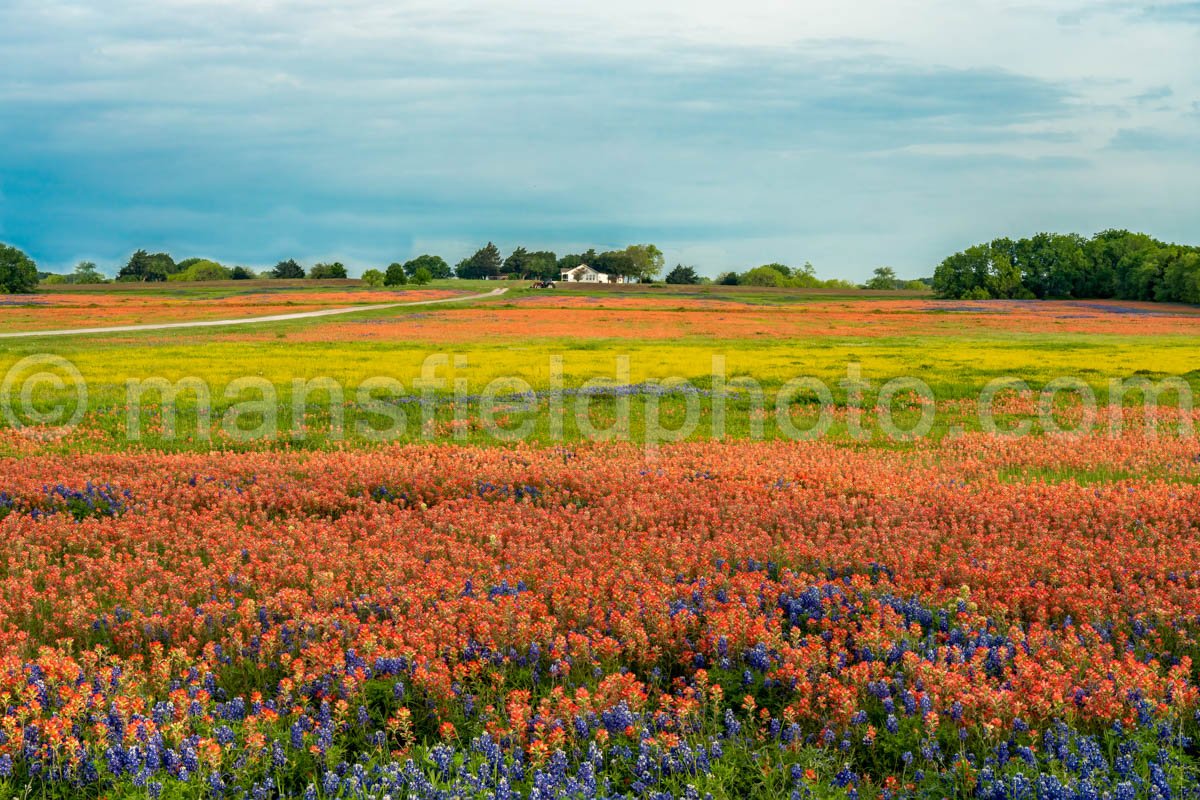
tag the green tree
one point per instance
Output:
(517, 263)
(143, 266)
(86, 272)
(615, 262)
(884, 278)
(18, 273)
(396, 275)
(327, 271)
(421, 276)
(542, 264)
(573, 260)
(437, 266)
(962, 272)
(242, 274)
(485, 263)
(287, 270)
(728, 279)
(647, 260)
(766, 275)
(683, 275)
(202, 269)
(374, 277)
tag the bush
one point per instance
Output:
(373, 278)
(421, 277)
(18, 273)
(683, 275)
(242, 274)
(202, 270)
(327, 271)
(397, 274)
(287, 269)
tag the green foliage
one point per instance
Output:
(884, 278)
(242, 274)
(647, 260)
(573, 260)
(766, 275)
(143, 266)
(287, 269)
(327, 271)
(54, 279)
(421, 276)
(542, 264)
(522, 263)
(436, 265)
(517, 263)
(374, 278)
(616, 262)
(486, 263)
(200, 269)
(683, 275)
(86, 272)
(1113, 263)
(396, 275)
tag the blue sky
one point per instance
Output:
(890, 132)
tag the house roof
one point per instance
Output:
(587, 267)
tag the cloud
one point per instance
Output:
(253, 131)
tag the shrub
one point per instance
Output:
(327, 271)
(396, 275)
(18, 273)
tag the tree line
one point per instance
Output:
(1112, 264)
(642, 262)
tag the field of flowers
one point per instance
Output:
(79, 309)
(730, 620)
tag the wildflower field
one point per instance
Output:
(961, 614)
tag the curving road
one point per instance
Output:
(217, 323)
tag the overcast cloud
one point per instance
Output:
(849, 135)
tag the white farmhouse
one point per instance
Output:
(585, 274)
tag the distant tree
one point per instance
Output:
(963, 273)
(437, 266)
(647, 260)
(86, 272)
(542, 264)
(683, 275)
(396, 275)
(573, 260)
(805, 277)
(242, 274)
(143, 266)
(616, 262)
(288, 270)
(374, 277)
(728, 279)
(52, 279)
(485, 263)
(327, 271)
(517, 263)
(202, 270)
(422, 276)
(766, 275)
(884, 278)
(18, 273)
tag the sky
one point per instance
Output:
(850, 135)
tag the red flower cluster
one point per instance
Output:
(828, 572)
